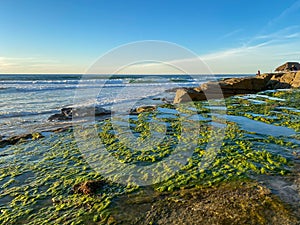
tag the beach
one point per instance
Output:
(145, 166)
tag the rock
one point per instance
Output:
(58, 117)
(61, 129)
(89, 111)
(284, 80)
(99, 111)
(20, 138)
(234, 86)
(188, 94)
(266, 76)
(69, 112)
(145, 108)
(3, 143)
(229, 203)
(249, 84)
(89, 187)
(289, 66)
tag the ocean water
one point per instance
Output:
(26, 101)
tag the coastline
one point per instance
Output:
(240, 175)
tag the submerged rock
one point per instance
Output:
(234, 86)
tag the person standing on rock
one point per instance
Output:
(258, 73)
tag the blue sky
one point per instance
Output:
(67, 36)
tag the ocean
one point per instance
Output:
(27, 100)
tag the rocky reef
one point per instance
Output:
(235, 86)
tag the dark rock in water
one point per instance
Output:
(69, 112)
(59, 117)
(99, 111)
(235, 86)
(3, 143)
(156, 99)
(88, 111)
(20, 138)
(89, 187)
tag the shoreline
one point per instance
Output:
(246, 172)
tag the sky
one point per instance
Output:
(69, 36)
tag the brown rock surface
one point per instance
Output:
(234, 86)
(232, 203)
(285, 80)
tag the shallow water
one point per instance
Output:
(36, 177)
(26, 101)
(260, 127)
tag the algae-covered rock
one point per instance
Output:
(144, 108)
(231, 203)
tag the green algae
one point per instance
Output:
(282, 112)
(36, 177)
(38, 191)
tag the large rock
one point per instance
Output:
(188, 94)
(284, 80)
(219, 89)
(234, 86)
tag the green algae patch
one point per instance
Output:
(36, 184)
(281, 108)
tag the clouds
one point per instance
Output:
(264, 52)
(284, 34)
(35, 64)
